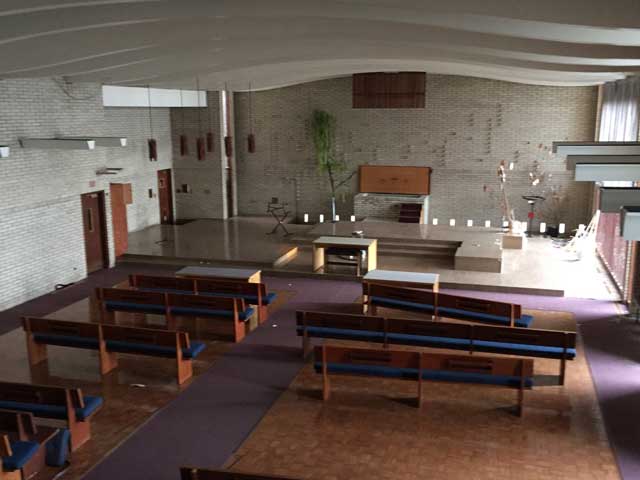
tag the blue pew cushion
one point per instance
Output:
(91, 404)
(199, 312)
(22, 452)
(393, 303)
(67, 340)
(157, 350)
(342, 333)
(58, 449)
(434, 375)
(524, 349)
(134, 307)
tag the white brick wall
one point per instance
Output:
(468, 126)
(41, 236)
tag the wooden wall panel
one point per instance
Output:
(393, 179)
(118, 193)
(389, 90)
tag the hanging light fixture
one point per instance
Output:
(200, 149)
(184, 145)
(210, 137)
(251, 138)
(151, 142)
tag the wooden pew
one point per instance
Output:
(110, 340)
(422, 367)
(252, 293)
(526, 342)
(188, 473)
(442, 305)
(231, 312)
(22, 444)
(65, 404)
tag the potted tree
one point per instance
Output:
(323, 126)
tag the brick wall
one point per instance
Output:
(206, 197)
(41, 236)
(468, 126)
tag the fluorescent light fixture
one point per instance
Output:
(4, 151)
(321, 218)
(598, 172)
(434, 221)
(487, 223)
(306, 218)
(353, 218)
(452, 222)
(543, 227)
(561, 228)
(58, 143)
(469, 223)
(103, 141)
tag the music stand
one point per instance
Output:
(280, 213)
(531, 200)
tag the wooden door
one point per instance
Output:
(120, 196)
(95, 231)
(165, 196)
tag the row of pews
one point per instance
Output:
(26, 446)
(487, 326)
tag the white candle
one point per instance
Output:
(306, 218)
(543, 227)
(353, 218)
(452, 222)
(581, 227)
(561, 228)
(321, 219)
(337, 218)
(435, 221)
(511, 165)
(469, 223)
(505, 224)
(487, 223)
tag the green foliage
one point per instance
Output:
(323, 125)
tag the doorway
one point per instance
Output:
(95, 231)
(121, 196)
(165, 197)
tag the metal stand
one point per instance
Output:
(531, 200)
(280, 213)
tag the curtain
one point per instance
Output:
(618, 123)
(619, 117)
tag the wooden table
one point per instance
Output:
(369, 245)
(249, 275)
(428, 281)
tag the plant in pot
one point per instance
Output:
(323, 126)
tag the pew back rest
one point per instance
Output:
(153, 282)
(41, 394)
(203, 302)
(61, 327)
(478, 305)
(340, 320)
(367, 357)
(427, 328)
(21, 423)
(204, 474)
(138, 297)
(146, 336)
(208, 285)
(525, 336)
(424, 297)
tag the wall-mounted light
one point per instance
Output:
(59, 143)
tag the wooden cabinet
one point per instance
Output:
(393, 179)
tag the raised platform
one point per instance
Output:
(243, 242)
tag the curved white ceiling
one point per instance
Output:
(269, 43)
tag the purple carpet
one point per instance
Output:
(211, 419)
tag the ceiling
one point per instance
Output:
(271, 43)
